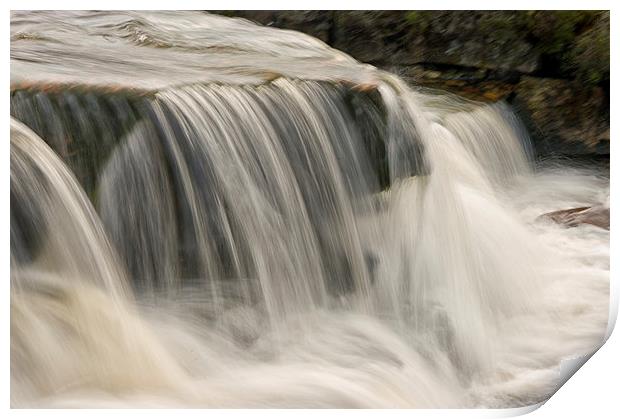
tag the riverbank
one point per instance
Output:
(530, 59)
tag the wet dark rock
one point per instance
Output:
(490, 40)
(553, 66)
(378, 37)
(472, 83)
(317, 23)
(61, 114)
(494, 39)
(563, 116)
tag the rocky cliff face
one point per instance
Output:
(552, 66)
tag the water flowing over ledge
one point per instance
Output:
(209, 213)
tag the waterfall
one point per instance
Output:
(209, 213)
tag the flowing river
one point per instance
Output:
(210, 213)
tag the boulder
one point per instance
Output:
(597, 216)
(475, 84)
(482, 39)
(553, 66)
(564, 117)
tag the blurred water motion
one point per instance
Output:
(209, 213)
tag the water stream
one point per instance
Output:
(209, 213)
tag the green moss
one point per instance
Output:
(419, 21)
(589, 57)
(576, 42)
(559, 28)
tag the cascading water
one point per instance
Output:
(209, 213)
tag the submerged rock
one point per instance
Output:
(596, 215)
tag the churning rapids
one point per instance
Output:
(210, 213)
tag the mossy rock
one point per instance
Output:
(563, 116)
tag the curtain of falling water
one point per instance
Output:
(276, 176)
(51, 219)
(71, 313)
(268, 267)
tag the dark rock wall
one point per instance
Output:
(552, 66)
